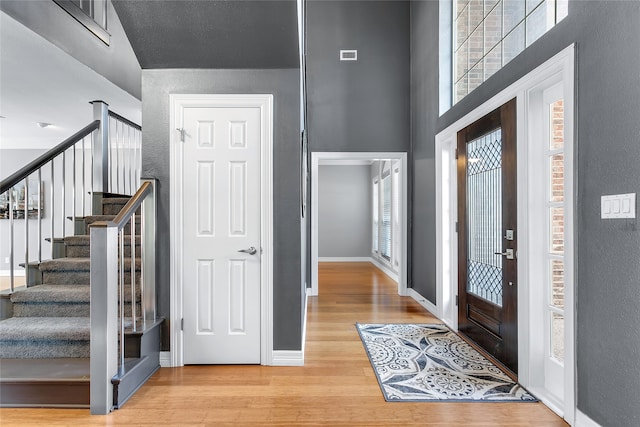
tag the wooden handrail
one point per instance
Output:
(133, 204)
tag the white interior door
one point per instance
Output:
(221, 235)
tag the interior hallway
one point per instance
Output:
(336, 387)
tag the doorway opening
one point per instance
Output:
(384, 195)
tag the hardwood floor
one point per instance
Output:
(5, 282)
(336, 387)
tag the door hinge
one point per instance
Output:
(182, 324)
(181, 130)
(457, 300)
(456, 226)
(456, 154)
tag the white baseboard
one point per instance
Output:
(431, 308)
(16, 273)
(385, 269)
(304, 322)
(549, 400)
(344, 259)
(287, 358)
(279, 358)
(583, 420)
(165, 359)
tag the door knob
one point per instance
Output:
(250, 251)
(507, 253)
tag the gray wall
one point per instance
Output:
(116, 62)
(363, 105)
(283, 84)
(212, 34)
(344, 211)
(608, 148)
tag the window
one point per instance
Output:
(375, 209)
(395, 231)
(385, 228)
(386, 213)
(490, 33)
(555, 213)
(92, 14)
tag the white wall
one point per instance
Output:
(10, 162)
(344, 211)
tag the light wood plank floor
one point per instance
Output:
(5, 282)
(336, 387)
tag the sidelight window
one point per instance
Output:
(555, 207)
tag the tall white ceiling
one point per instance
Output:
(39, 82)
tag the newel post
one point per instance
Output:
(104, 315)
(148, 245)
(100, 148)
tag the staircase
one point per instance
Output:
(45, 346)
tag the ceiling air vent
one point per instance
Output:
(348, 55)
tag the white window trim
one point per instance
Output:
(559, 68)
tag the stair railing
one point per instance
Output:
(103, 157)
(125, 143)
(22, 196)
(108, 317)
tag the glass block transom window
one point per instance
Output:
(489, 33)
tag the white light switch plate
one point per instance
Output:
(618, 206)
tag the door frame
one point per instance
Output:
(316, 157)
(559, 68)
(265, 103)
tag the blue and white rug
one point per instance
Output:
(418, 363)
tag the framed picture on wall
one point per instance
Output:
(16, 196)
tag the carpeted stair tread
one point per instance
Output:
(66, 264)
(63, 293)
(52, 293)
(115, 200)
(84, 240)
(62, 301)
(80, 246)
(113, 205)
(89, 220)
(25, 329)
(80, 240)
(78, 264)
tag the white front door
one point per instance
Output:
(221, 192)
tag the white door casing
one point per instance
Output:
(401, 159)
(560, 68)
(221, 186)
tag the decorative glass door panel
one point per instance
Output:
(484, 217)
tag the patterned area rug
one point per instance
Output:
(419, 363)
